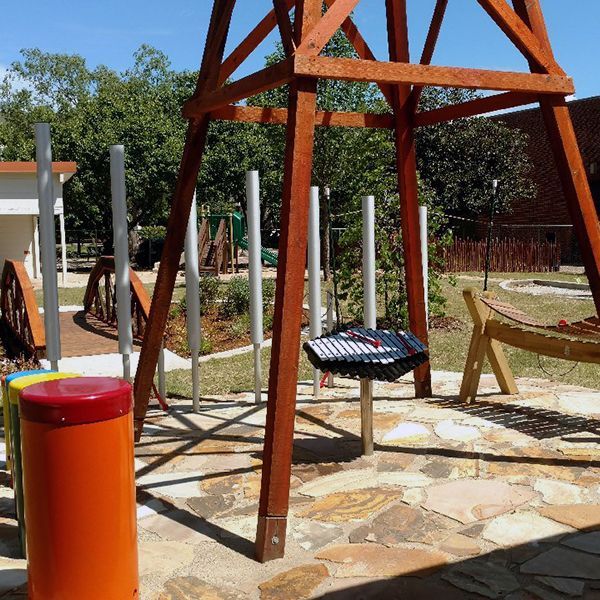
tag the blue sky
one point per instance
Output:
(108, 32)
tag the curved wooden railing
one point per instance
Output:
(19, 311)
(100, 298)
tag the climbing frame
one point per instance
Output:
(401, 82)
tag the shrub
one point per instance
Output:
(236, 298)
(268, 293)
(209, 293)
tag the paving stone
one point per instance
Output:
(9, 539)
(469, 501)
(308, 472)
(395, 461)
(352, 506)
(163, 557)
(570, 587)
(449, 430)
(587, 542)
(438, 468)
(460, 545)
(337, 482)
(542, 593)
(314, 536)
(407, 479)
(576, 402)
(172, 485)
(13, 573)
(373, 560)
(179, 526)
(474, 531)
(522, 528)
(223, 484)
(486, 579)
(413, 496)
(192, 588)
(208, 506)
(299, 582)
(558, 492)
(564, 562)
(391, 527)
(579, 516)
(150, 507)
(407, 433)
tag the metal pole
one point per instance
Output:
(63, 247)
(370, 317)
(314, 276)
(192, 301)
(329, 329)
(46, 199)
(162, 379)
(488, 247)
(425, 256)
(255, 276)
(120, 241)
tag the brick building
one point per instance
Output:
(546, 217)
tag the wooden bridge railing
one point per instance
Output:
(19, 311)
(100, 298)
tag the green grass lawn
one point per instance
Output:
(448, 348)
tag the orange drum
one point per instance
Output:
(79, 481)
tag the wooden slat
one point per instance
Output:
(571, 170)
(347, 69)
(278, 116)
(283, 374)
(266, 79)
(249, 44)
(520, 35)
(429, 47)
(408, 188)
(318, 37)
(282, 12)
(472, 108)
(179, 215)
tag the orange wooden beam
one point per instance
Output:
(279, 116)
(348, 69)
(179, 214)
(520, 35)
(266, 79)
(429, 47)
(570, 166)
(474, 107)
(282, 12)
(250, 43)
(408, 189)
(330, 22)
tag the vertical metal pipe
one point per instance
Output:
(425, 256)
(370, 317)
(121, 245)
(488, 247)
(192, 300)
(314, 276)
(255, 276)
(329, 328)
(63, 247)
(162, 378)
(46, 199)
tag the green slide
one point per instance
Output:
(267, 255)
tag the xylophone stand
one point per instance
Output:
(366, 416)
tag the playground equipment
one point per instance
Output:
(401, 83)
(79, 483)
(489, 333)
(15, 384)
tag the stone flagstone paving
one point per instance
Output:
(496, 499)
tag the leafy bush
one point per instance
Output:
(268, 287)
(153, 233)
(209, 293)
(236, 298)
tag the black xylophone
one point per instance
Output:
(377, 354)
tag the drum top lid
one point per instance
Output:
(76, 401)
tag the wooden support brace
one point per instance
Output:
(285, 353)
(282, 11)
(483, 345)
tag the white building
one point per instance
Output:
(19, 213)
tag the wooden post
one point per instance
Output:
(180, 212)
(567, 156)
(283, 376)
(406, 162)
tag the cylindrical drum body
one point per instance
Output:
(80, 487)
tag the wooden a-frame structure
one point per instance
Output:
(401, 82)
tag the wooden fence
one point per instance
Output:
(506, 256)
